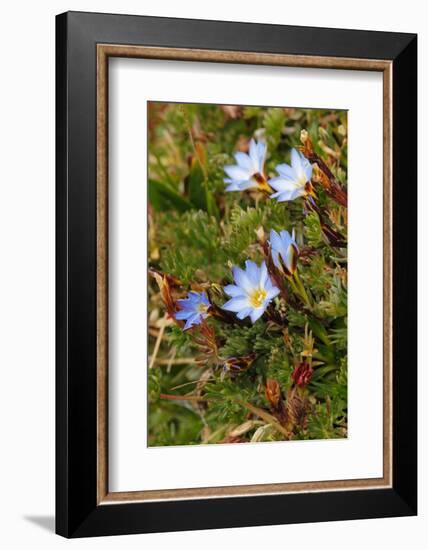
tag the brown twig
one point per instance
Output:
(333, 237)
(327, 180)
(183, 397)
(179, 361)
(334, 189)
(267, 417)
(157, 344)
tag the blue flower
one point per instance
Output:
(293, 181)
(193, 309)
(252, 292)
(284, 251)
(248, 171)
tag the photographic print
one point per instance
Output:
(211, 298)
(247, 262)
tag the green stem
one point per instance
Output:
(200, 162)
(299, 289)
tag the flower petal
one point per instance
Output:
(282, 196)
(291, 259)
(299, 192)
(272, 293)
(233, 185)
(234, 291)
(244, 313)
(281, 184)
(296, 161)
(252, 152)
(204, 299)
(256, 314)
(244, 161)
(285, 239)
(241, 279)
(237, 172)
(307, 167)
(300, 165)
(236, 304)
(193, 320)
(275, 258)
(243, 185)
(261, 152)
(264, 277)
(183, 314)
(186, 305)
(293, 238)
(275, 240)
(286, 171)
(252, 272)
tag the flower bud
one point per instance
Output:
(273, 392)
(302, 374)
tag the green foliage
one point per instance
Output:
(328, 420)
(163, 197)
(210, 384)
(279, 367)
(244, 339)
(240, 233)
(188, 244)
(173, 424)
(312, 231)
(273, 123)
(226, 400)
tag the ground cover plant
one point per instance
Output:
(247, 259)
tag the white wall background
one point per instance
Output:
(27, 272)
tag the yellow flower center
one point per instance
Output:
(202, 308)
(262, 183)
(257, 297)
(309, 188)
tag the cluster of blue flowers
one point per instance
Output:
(292, 182)
(253, 289)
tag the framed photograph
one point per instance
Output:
(236, 274)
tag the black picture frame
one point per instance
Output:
(77, 511)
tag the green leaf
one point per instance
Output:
(212, 208)
(320, 372)
(320, 332)
(199, 193)
(196, 185)
(162, 197)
